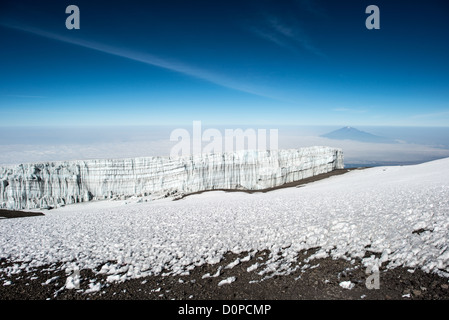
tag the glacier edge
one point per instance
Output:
(52, 184)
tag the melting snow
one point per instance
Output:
(347, 285)
(226, 281)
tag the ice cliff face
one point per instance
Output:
(51, 184)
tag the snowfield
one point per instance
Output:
(401, 213)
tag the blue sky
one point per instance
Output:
(291, 62)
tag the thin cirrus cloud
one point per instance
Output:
(312, 7)
(23, 96)
(289, 36)
(436, 115)
(349, 110)
(149, 59)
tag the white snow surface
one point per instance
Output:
(53, 184)
(375, 209)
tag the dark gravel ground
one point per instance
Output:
(318, 283)
(8, 214)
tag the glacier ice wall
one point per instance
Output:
(52, 184)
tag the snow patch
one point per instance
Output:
(347, 285)
(226, 281)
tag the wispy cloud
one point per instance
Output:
(349, 110)
(312, 7)
(23, 96)
(149, 59)
(431, 115)
(286, 35)
(272, 37)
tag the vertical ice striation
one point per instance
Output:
(43, 185)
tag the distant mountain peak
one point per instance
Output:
(349, 128)
(350, 133)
